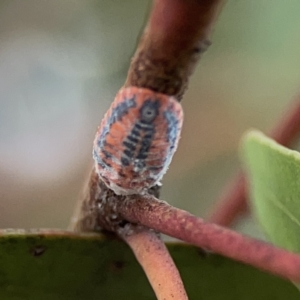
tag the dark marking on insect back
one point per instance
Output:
(101, 162)
(98, 159)
(149, 111)
(128, 153)
(142, 155)
(141, 136)
(139, 165)
(143, 145)
(132, 139)
(105, 144)
(125, 161)
(149, 135)
(173, 128)
(116, 115)
(122, 109)
(135, 132)
(142, 125)
(129, 146)
(107, 154)
(107, 164)
(146, 143)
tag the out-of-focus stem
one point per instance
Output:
(233, 200)
(231, 203)
(153, 256)
(84, 218)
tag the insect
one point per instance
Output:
(136, 140)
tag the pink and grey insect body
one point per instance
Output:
(136, 140)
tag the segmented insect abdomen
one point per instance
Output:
(136, 140)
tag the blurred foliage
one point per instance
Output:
(274, 173)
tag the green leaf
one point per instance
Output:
(274, 176)
(63, 266)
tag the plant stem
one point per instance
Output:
(108, 211)
(153, 256)
(231, 204)
(176, 35)
(93, 216)
(233, 200)
(180, 224)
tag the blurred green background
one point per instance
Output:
(61, 63)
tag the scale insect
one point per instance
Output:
(136, 140)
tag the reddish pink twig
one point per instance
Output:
(233, 200)
(153, 256)
(176, 34)
(105, 210)
(177, 223)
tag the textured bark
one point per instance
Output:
(176, 35)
